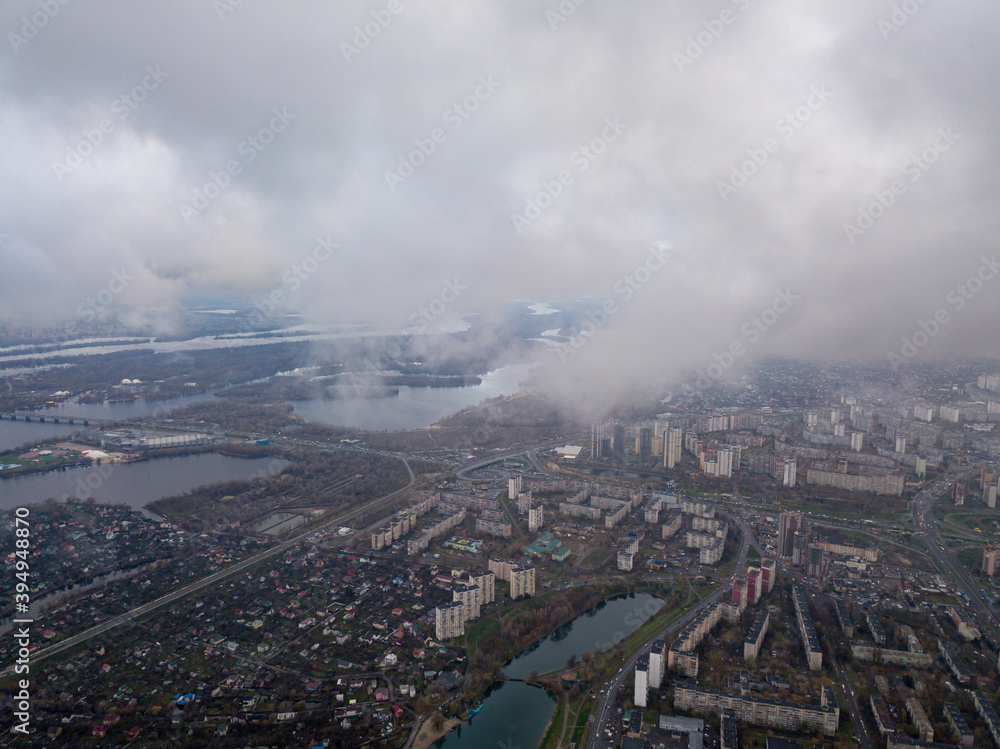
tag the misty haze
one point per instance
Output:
(558, 374)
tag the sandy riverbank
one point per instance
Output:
(428, 735)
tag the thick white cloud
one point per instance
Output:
(842, 99)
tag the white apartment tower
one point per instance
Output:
(673, 440)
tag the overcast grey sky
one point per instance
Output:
(632, 117)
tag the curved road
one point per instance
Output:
(605, 700)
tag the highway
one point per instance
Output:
(213, 578)
(279, 548)
(923, 521)
(861, 730)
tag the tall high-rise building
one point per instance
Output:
(768, 574)
(901, 444)
(815, 561)
(645, 445)
(800, 547)
(522, 581)
(618, 444)
(535, 518)
(857, 441)
(958, 493)
(672, 444)
(788, 472)
(753, 586)
(449, 620)
(597, 442)
(740, 591)
(725, 459)
(788, 524)
(657, 663)
(514, 487)
(641, 681)
(990, 561)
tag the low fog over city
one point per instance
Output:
(429, 295)
(844, 155)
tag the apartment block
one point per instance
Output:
(681, 656)
(958, 724)
(755, 635)
(449, 620)
(641, 681)
(671, 523)
(843, 618)
(919, 719)
(493, 523)
(868, 480)
(771, 713)
(657, 663)
(862, 652)
(501, 568)
(814, 653)
(626, 559)
(949, 651)
(989, 715)
(471, 598)
(536, 518)
(768, 574)
(522, 581)
(514, 487)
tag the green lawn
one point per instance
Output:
(551, 737)
(594, 559)
(478, 632)
(971, 558)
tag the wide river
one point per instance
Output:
(134, 484)
(413, 408)
(515, 714)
